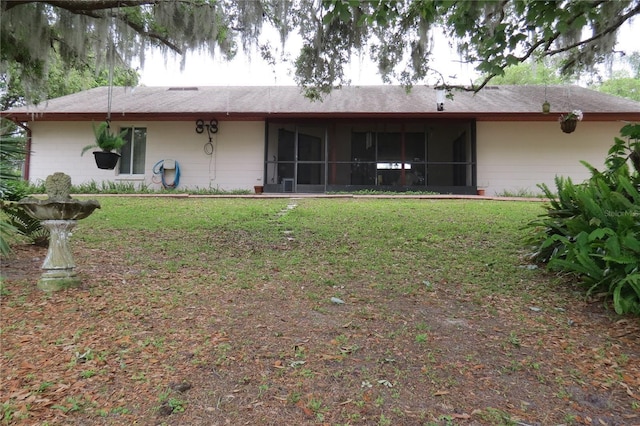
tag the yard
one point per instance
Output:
(359, 311)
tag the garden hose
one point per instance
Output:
(159, 169)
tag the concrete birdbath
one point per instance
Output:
(59, 213)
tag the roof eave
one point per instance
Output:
(261, 116)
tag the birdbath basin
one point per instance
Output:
(58, 210)
(59, 213)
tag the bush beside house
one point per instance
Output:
(592, 229)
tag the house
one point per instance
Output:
(359, 137)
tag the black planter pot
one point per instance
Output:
(106, 160)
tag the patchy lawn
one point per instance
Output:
(207, 311)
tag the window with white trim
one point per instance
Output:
(133, 152)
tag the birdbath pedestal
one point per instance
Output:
(58, 267)
(59, 214)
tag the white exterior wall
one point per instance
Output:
(237, 161)
(514, 156)
(511, 156)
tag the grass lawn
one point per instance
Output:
(202, 311)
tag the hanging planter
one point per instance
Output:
(106, 160)
(568, 126)
(107, 142)
(569, 122)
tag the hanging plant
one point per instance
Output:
(569, 121)
(107, 142)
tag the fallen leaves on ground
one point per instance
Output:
(127, 348)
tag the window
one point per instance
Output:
(133, 152)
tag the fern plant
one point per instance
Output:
(24, 224)
(16, 218)
(105, 140)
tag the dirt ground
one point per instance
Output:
(126, 348)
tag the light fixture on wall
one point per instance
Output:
(440, 95)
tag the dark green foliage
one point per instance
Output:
(16, 218)
(105, 139)
(592, 229)
(11, 152)
(24, 224)
(15, 190)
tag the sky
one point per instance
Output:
(202, 70)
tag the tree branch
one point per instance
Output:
(153, 35)
(81, 6)
(611, 28)
(549, 41)
(90, 7)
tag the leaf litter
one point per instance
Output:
(146, 348)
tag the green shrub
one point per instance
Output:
(25, 225)
(15, 190)
(109, 187)
(592, 229)
(519, 193)
(16, 218)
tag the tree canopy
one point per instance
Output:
(397, 35)
(530, 73)
(60, 80)
(624, 83)
(622, 86)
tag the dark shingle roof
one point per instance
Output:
(502, 102)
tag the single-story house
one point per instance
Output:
(359, 137)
